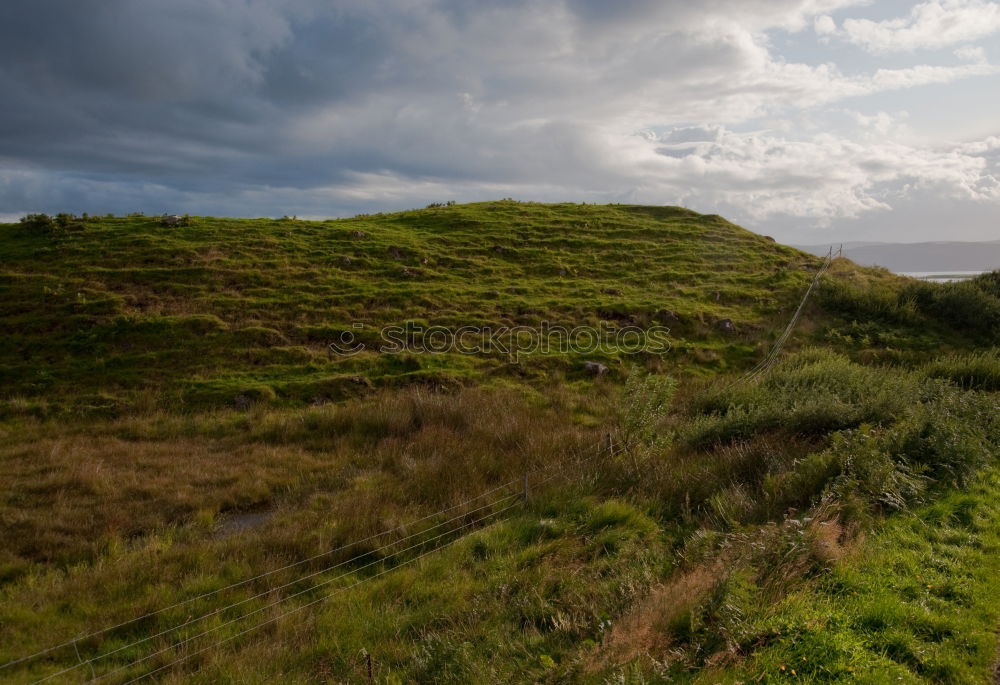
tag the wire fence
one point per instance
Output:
(771, 358)
(517, 492)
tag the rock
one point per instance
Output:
(726, 326)
(562, 272)
(667, 316)
(359, 234)
(171, 220)
(395, 252)
(595, 368)
(767, 237)
(611, 291)
(345, 260)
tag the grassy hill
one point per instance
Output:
(99, 310)
(197, 488)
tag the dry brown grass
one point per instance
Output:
(776, 555)
(645, 633)
(69, 491)
(66, 497)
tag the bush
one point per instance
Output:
(645, 401)
(968, 306)
(38, 222)
(811, 394)
(875, 302)
(975, 371)
(971, 307)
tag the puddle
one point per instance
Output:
(235, 524)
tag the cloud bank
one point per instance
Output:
(246, 107)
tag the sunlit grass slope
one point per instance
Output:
(101, 313)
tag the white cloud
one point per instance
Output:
(971, 53)
(929, 25)
(826, 177)
(825, 25)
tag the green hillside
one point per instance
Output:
(100, 309)
(195, 487)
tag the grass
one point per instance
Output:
(916, 603)
(173, 421)
(104, 312)
(580, 585)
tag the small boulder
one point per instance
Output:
(726, 326)
(359, 234)
(172, 220)
(611, 291)
(595, 368)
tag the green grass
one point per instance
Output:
(917, 603)
(172, 420)
(661, 561)
(99, 311)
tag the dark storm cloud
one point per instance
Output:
(314, 107)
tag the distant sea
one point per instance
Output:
(941, 276)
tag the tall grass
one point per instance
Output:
(967, 309)
(727, 500)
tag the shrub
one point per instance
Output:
(38, 222)
(971, 307)
(811, 394)
(968, 306)
(875, 302)
(975, 371)
(645, 401)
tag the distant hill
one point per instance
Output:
(932, 256)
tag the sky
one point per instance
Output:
(812, 121)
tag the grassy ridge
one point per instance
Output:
(100, 311)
